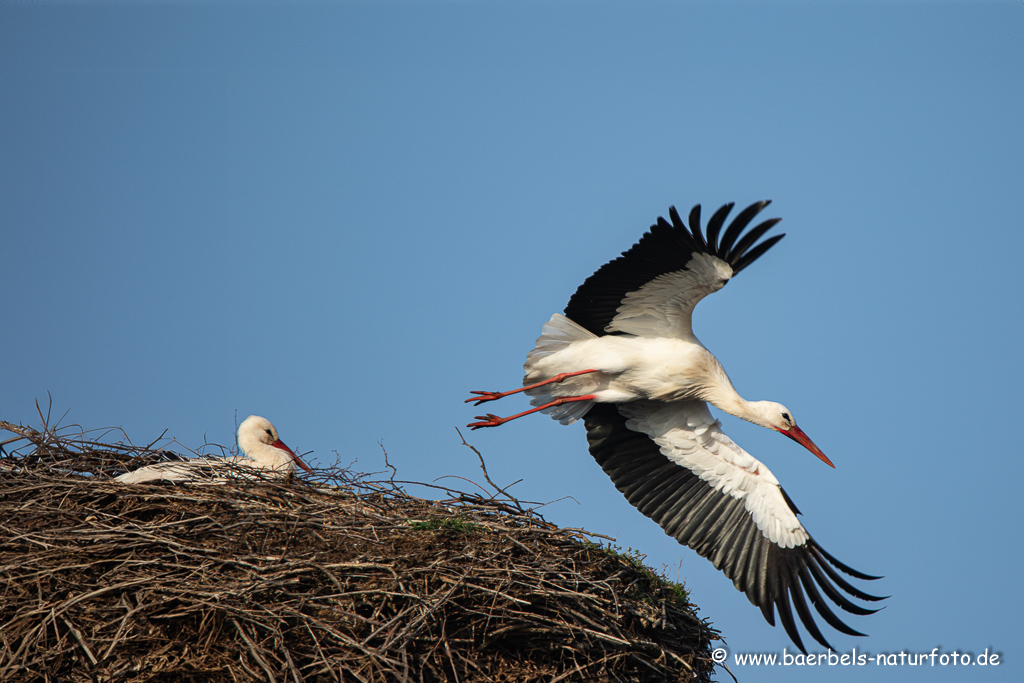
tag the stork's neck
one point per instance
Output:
(265, 455)
(271, 457)
(717, 390)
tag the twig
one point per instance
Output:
(81, 641)
(255, 654)
(483, 467)
(387, 464)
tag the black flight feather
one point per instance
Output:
(666, 248)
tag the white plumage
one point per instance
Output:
(264, 456)
(625, 360)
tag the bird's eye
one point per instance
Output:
(786, 417)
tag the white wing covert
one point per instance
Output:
(664, 306)
(689, 436)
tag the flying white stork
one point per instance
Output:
(625, 359)
(266, 456)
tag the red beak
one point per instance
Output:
(798, 435)
(297, 459)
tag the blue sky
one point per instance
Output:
(346, 216)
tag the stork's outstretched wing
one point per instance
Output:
(672, 461)
(652, 288)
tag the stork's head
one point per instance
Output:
(256, 433)
(778, 417)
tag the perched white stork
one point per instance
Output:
(625, 359)
(266, 456)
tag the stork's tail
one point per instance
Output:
(557, 334)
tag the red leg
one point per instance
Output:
(490, 420)
(495, 395)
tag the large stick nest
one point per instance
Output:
(335, 578)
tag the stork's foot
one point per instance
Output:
(484, 396)
(488, 420)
